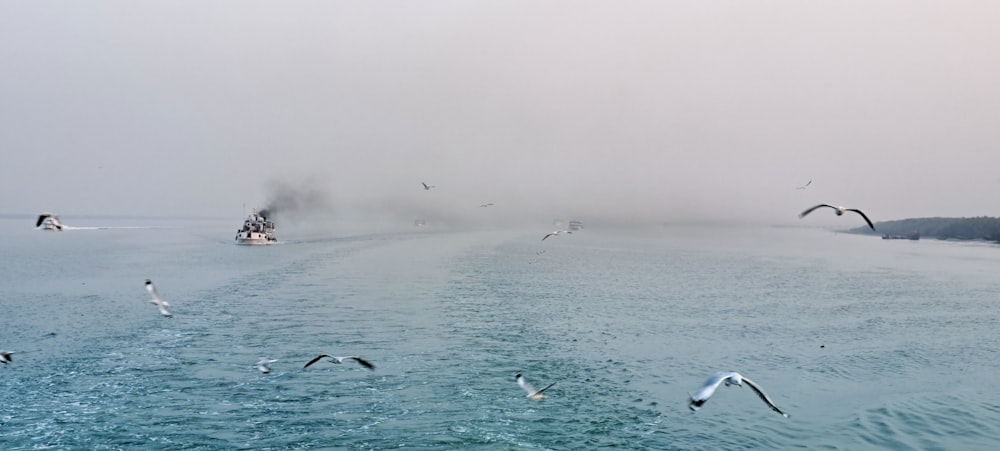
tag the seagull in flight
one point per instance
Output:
(532, 393)
(264, 365)
(157, 300)
(427, 187)
(555, 233)
(5, 357)
(840, 212)
(339, 360)
(731, 378)
(490, 204)
(804, 186)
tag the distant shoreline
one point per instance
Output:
(983, 228)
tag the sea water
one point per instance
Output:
(865, 343)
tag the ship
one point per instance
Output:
(913, 236)
(256, 230)
(48, 221)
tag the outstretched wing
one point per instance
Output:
(546, 236)
(707, 390)
(546, 388)
(315, 360)
(526, 386)
(763, 396)
(804, 213)
(863, 216)
(363, 362)
(41, 219)
(152, 291)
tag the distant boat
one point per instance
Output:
(48, 221)
(256, 230)
(913, 236)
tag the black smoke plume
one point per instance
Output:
(291, 202)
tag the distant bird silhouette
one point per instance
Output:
(532, 393)
(339, 360)
(157, 300)
(427, 187)
(731, 378)
(804, 186)
(555, 233)
(264, 365)
(486, 205)
(840, 212)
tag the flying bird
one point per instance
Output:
(264, 365)
(840, 212)
(731, 378)
(804, 186)
(339, 360)
(532, 393)
(555, 233)
(157, 300)
(5, 357)
(427, 187)
(490, 204)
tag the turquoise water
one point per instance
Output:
(867, 344)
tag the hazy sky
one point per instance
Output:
(660, 110)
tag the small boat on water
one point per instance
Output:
(913, 236)
(48, 221)
(256, 230)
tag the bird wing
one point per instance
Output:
(526, 386)
(315, 360)
(546, 236)
(763, 396)
(804, 213)
(546, 388)
(163, 311)
(41, 219)
(363, 362)
(152, 291)
(707, 390)
(863, 216)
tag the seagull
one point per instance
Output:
(555, 233)
(427, 187)
(804, 186)
(840, 211)
(490, 204)
(532, 393)
(264, 365)
(339, 360)
(5, 357)
(157, 301)
(731, 378)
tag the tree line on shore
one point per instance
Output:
(977, 228)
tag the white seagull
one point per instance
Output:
(264, 365)
(532, 393)
(804, 186)
(731, 378)
(840, 212)
(5, 357)
(157, 300)
(340, 360)
(555, 233)
(427, 187)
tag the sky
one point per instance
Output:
(641, 111)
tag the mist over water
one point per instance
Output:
(866, 343)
